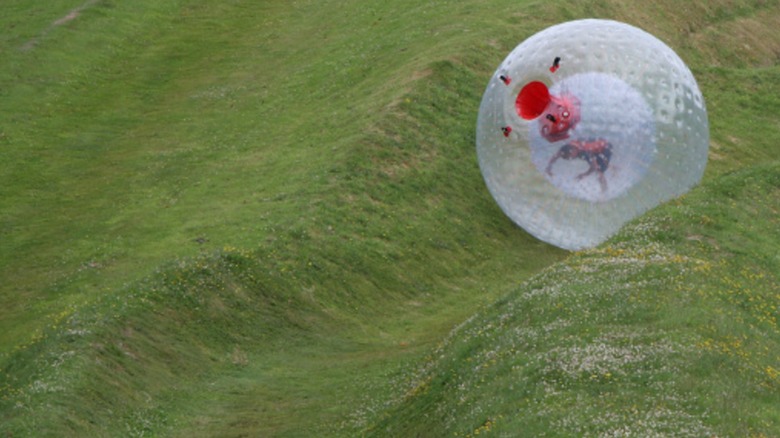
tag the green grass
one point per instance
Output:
(265, 218)
(669, 329)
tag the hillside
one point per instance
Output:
(670, 329)
(243, 219)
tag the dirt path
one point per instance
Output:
(70, 16)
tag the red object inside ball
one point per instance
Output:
(532, 100)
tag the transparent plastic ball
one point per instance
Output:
(586, 125)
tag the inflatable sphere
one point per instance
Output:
(586, 125)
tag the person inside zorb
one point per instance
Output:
(561, 114)
(577, 121)
(595, 152)
(587, 124)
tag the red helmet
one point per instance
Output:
(561, 113)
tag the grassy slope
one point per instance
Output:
(330, 174)
(326, 211)
(671, 328)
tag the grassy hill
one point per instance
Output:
(671, 329)
(265, 218)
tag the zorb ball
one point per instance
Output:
(586, 125)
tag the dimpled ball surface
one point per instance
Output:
(635, 95)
